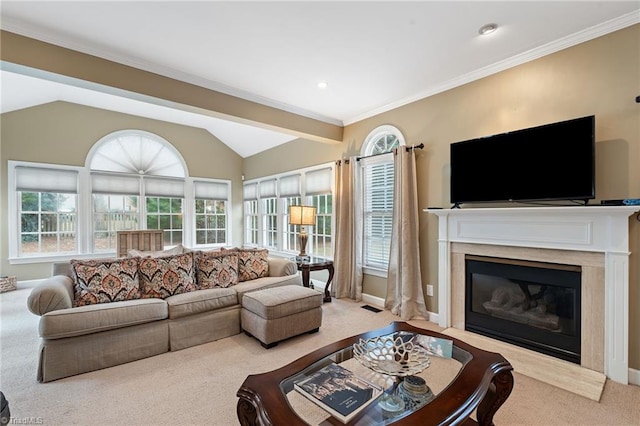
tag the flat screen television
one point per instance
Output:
(550, 162)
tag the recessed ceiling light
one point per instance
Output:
(322, 85)
(487, 29)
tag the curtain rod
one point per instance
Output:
(409, 148)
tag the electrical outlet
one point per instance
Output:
(429, 290)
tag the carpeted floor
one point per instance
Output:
(197, 386)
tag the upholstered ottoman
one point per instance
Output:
(277, 313)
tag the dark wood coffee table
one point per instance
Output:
(474, 380)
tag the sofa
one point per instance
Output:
(100, 313)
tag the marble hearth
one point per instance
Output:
(596, 238)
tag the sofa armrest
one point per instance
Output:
(52, 294)
(281, 267)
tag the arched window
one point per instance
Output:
(128, 167)
(377, 189)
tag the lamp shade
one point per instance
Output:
(302, 215)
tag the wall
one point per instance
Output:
(600, 77)
(63, 133)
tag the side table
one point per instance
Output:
(314, 263)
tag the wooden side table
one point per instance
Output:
(316, 264)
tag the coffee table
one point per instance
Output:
(472, 380)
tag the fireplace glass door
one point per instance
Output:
(530, 304)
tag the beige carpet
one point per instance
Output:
(197, 386)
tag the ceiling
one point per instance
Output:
(373, 55)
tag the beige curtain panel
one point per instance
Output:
(347, 258)
(405, 297)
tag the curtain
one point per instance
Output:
(347, 257)
(405, 297)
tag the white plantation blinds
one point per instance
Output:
(211, 190)
(115, 184)
(36, 179)
(318, 181)
(289, 186)
(378, 211)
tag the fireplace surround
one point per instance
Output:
(596, 238)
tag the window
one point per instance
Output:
(377, 189)
(211, 212)
(47, 210)
(131, 180)
(251, 216)
(266, 209)
(322, 238)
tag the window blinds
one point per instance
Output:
(318, 181)
(289, 186)
(211, 190)
(104, 183)
(36, 179)
(157, 187)
(250, 191)
(268, 188)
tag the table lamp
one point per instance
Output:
(303, 216)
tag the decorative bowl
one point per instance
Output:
(394, 355)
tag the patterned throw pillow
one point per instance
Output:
(252, 264)
(107, 280)
(162, 277)
(216, 269)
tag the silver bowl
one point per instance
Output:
(395, 356)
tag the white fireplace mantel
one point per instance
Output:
(603, 229)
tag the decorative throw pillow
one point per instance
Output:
(216, 269)
(252, 264)
(105, 280)
(162, 277)
(179, 249)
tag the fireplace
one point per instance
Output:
(594, 237)
(534, 305)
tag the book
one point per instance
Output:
(436, 346)
(338, 391)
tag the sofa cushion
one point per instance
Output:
(252, 264)
(216, 269)
(182, 305)
(106, 280)
(166, 276)
(100, 317)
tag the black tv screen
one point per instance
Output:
(550, 162)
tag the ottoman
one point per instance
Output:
(277, 313)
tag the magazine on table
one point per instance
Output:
(338, 391)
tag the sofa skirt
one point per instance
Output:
(75, 355)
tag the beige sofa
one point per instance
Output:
(79, 339)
